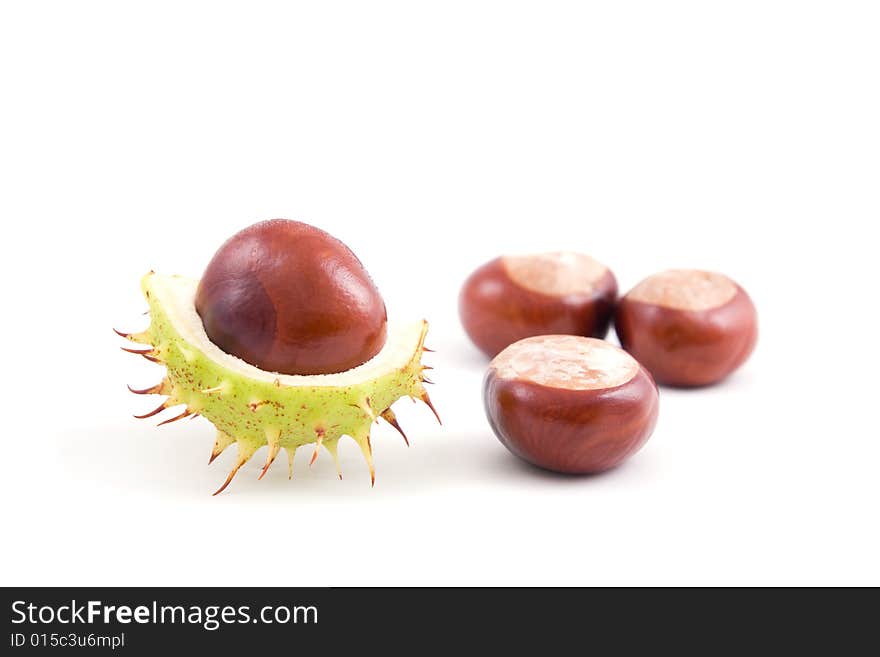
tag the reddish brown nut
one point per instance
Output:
(289, 298)
(570, 404)
(515, 297)
(688, 327)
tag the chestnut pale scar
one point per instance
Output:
(685, 289)
(566, 361)
(555, 274)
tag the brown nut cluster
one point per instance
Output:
(575, 404)
(289, 298)
(515, 297)
(688, 327)
(570, 404)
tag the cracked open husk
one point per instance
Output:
(253, 408)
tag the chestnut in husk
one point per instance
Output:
(515, 297)
(570, 404)
(289, 298)
(688, 327)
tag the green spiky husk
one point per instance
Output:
(254, 413)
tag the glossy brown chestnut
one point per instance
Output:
(515, 297)
(290, 298)
(570, 404)
(688, 327)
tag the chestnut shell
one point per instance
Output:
(290, 298)
(688, 348)
(496, 311)
(571, 431)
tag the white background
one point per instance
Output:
(742, 137)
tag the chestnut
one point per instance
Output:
(515, 297)
(688, 327)
(570, 404)
(289, 298)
